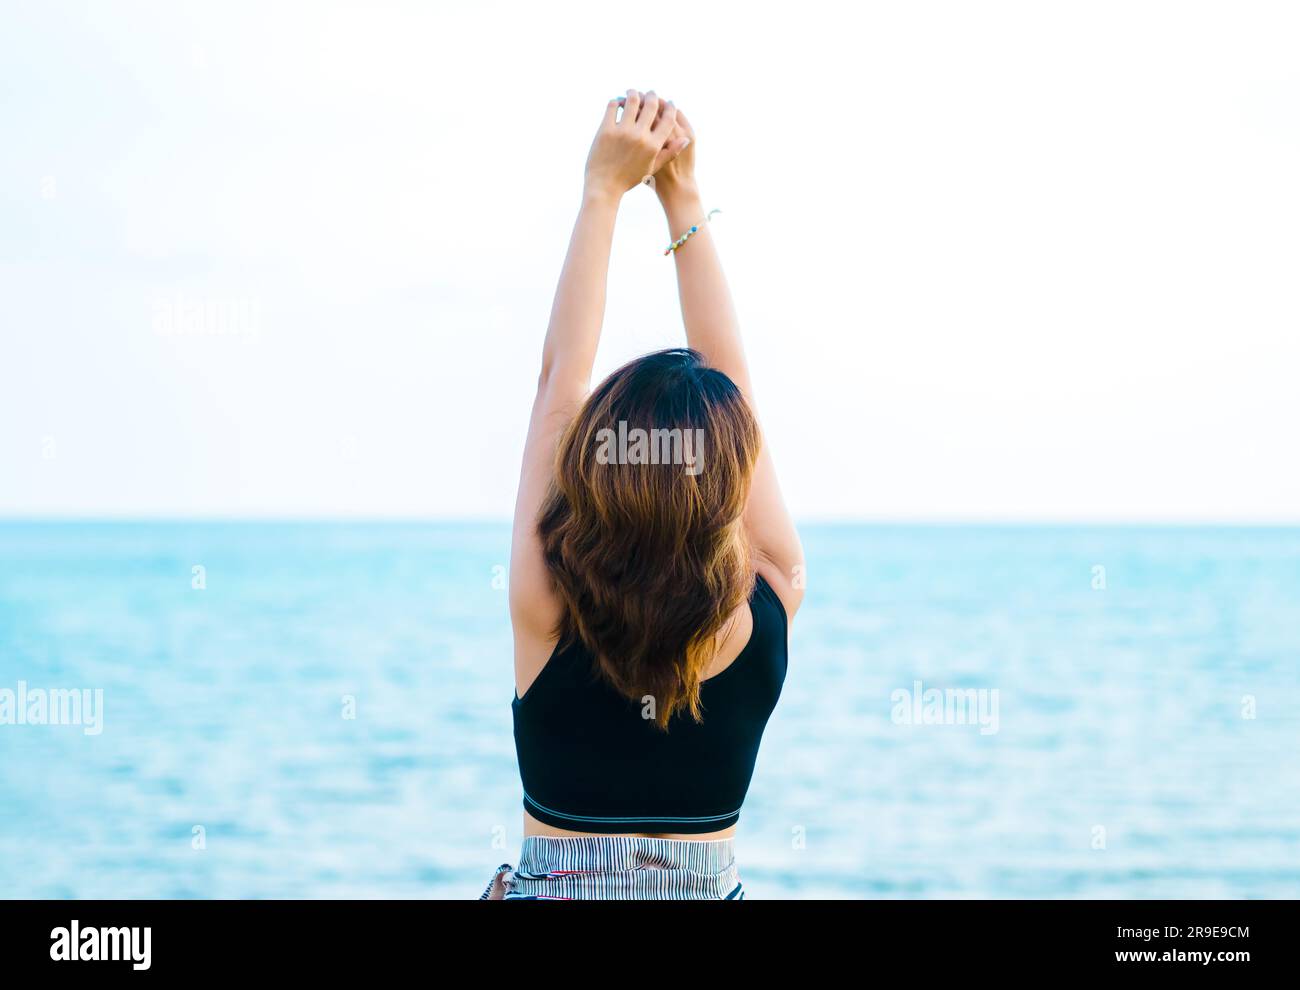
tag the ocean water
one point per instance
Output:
(1145, 744)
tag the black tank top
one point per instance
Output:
(590, 761)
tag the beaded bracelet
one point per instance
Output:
(695, 228)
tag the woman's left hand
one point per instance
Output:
(625, 151)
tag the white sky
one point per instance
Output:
(1013, 261)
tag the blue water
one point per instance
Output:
(1123, 764)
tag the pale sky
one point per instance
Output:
(993, 261)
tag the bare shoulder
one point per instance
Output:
(532, 653)
(788, 583)
(535, 608)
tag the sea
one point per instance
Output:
(322, 710)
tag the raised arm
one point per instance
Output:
(713, 330)
(624, 151)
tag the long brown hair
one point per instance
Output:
(642, 528)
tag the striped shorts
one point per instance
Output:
(619, 868)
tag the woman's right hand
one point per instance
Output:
(625, 151)
(675, 175)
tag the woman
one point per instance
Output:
(653, 567)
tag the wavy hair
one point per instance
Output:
(642, 527)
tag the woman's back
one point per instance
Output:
(593, 760)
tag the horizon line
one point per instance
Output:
(496, 520)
